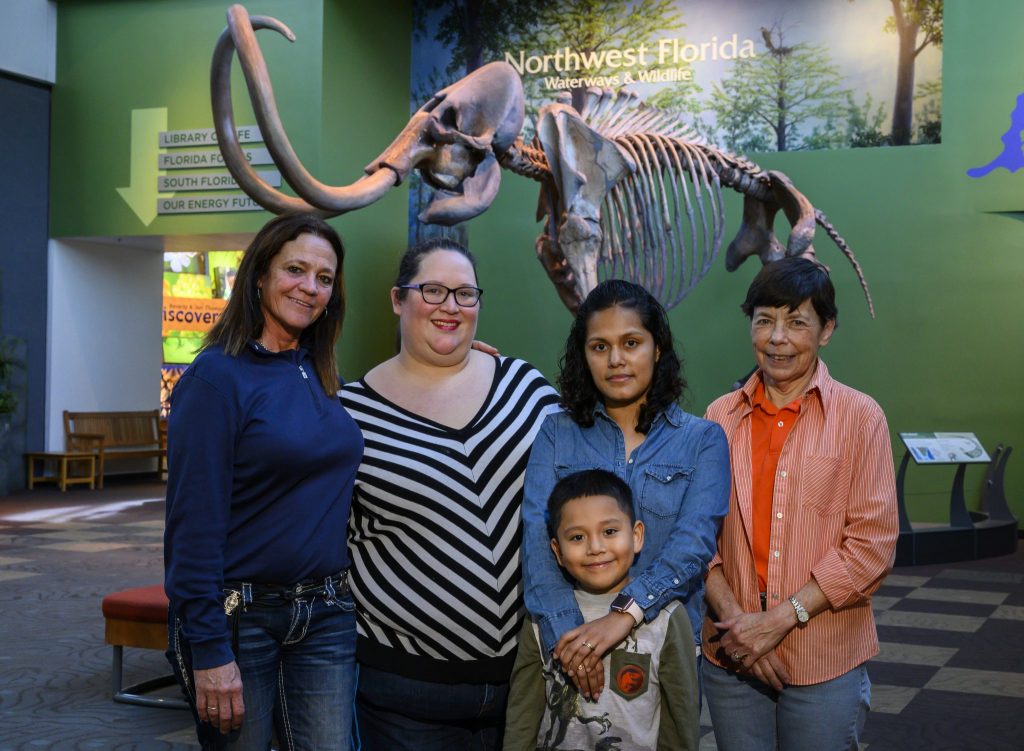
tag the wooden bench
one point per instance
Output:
(116, 435)
(138, 618)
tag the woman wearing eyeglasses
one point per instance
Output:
(434, 535)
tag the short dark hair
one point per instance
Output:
(787, 283)
(579, 394)
(409, 265)
(242, 319)
(588, 482)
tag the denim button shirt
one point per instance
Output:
(680, 480)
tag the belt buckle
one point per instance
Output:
(232, 601)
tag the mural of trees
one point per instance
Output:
(476, 31)
(767, 102)
(804, 89)
(588, 26)
(917, 24)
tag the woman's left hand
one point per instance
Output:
(580, 650)
(770, 671)
(748, 636)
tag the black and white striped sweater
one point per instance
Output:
(435, 530)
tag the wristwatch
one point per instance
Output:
(623, 603)
(802, 616)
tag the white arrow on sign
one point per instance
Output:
(141, 194)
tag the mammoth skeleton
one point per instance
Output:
(626, 189)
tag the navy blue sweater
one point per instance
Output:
(261, 464)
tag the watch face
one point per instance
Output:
(802, 616)
(621, 602)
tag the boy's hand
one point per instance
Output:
(580, 650)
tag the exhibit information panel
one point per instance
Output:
(945, 448)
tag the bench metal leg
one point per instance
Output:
(134, 694)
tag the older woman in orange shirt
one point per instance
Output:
(810, 534)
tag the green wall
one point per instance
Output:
(115, 57)
(945, 353)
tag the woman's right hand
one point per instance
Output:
(219, 697)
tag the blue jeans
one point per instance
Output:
(394, 713)
(297, 661)
(748, 715)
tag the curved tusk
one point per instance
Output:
(322, 199)
(227, 136)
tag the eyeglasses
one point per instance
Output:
(436, 294)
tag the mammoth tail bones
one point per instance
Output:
(626, 189)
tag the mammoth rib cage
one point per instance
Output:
(645, 217)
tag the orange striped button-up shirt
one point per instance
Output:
(835, 520)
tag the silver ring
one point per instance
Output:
(589, 646)
(737, 657)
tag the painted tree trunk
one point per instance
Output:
(903, 105)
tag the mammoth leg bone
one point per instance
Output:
(803, 216)
(800, 214)
(585, 166)
(755, 236)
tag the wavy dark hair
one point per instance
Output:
(242, 320)
(580, 396)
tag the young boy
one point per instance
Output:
(649, 701)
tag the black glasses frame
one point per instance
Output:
(449, 291)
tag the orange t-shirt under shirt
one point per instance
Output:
(769, 428)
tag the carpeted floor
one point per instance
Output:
(950, 676)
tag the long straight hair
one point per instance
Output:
(243, 319)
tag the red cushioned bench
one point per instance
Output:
(138, 618)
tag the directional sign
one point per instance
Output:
(141, 193)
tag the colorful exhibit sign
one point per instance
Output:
(196, 290)
(749, 76)
(190, 314)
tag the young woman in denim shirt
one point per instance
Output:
(620, 380)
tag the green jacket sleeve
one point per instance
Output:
(526, 694)
(677, 675)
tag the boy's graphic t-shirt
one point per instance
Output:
(649, 701)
